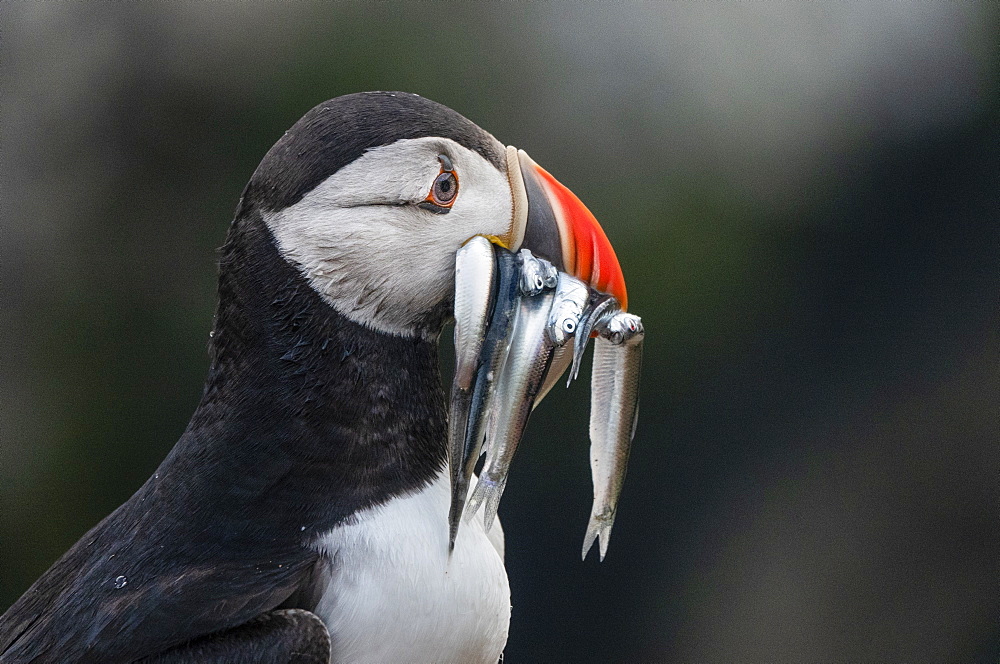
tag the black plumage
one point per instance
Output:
(291, 636)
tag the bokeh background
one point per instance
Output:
(805, 201)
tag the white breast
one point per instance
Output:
(395, 595)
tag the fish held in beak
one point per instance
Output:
(486, 299)
(523, 319)
(548, 314)
(598, 307)
(565, 321)
(519, 383)
(614, 410)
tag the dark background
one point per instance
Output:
(804, 199)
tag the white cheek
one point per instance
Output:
(367, 269)
(386, 266)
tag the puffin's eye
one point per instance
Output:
(444, 190)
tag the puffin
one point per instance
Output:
(303, 514)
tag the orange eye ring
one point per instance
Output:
(444, 190)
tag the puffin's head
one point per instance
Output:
(370, 195)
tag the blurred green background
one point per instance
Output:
(804, 198)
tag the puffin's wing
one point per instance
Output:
(134, 587)
(292, 636)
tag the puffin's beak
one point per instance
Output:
(560, 228)
(551, 222)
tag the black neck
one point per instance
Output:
(306, 415)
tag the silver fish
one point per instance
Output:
(572, 296)
(475, 271)
(600, 306)
(562, 357)
(537, 274)
(614, 409)
(481, 338)
(517, 387)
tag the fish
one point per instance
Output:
(537, 274)
(487, 289)
(572, 297)
(600, 306)
(520, 381)
(519, 325)
(475, 274)
(614, 411)
(564, 314)
(562, 357)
